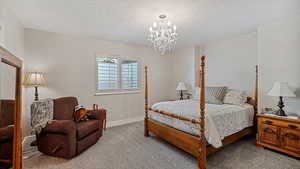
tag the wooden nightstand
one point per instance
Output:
(279, 133)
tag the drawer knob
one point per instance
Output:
(268, 122)
(290, 126)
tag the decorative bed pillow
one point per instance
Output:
(213, 95)
(236, 97)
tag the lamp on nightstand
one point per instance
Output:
(34, 79)
(181, 87)
(281, 89)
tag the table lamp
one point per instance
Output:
(281, 89)
(34, 79)
(181, 87)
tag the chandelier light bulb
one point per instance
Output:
(169, 23)
(163, 35)
(154, 24)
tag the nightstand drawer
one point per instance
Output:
(290, 139)
(269, 134)
(268, 121)
(279, 123)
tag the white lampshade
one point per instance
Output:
(181, 86)
(34, 79)
(281, 89)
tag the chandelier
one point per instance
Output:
(163, 35)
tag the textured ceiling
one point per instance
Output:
(198, 21)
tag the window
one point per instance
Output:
(117, 74)
(107, 73)
(129, 74)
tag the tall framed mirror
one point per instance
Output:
(10, 111)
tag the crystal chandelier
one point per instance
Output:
(163, 35)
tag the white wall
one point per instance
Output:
(69, 64)
(231, 62)
(13, 30)
(279, 59)
(182, 69)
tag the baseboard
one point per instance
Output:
(124, 121)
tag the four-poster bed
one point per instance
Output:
(192, 144)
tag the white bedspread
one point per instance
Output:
(221, 120)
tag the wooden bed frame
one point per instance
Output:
(193, 145)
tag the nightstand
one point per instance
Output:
(279, 133)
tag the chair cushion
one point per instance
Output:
(60, 126)
(86, 128)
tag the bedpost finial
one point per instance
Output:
(202, 60)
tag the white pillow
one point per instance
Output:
(236, 97)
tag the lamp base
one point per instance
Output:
(36, 94)
(280, 112)
(181, 95)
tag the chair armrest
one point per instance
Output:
(6, 132)
(98, 114)
(61, 126)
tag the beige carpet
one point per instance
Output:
(125, 147)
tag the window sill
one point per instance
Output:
(117, 93)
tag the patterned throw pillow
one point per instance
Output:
(236, 97)
(213, 95)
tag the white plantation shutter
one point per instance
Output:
(117, 74)
(107, 70)
(129, 74)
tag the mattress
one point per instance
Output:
(221, 120)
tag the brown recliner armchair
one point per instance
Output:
(7, 111)
(64, 137)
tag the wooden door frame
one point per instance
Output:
(12, 60)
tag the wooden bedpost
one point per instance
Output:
(146, 131)
(256, 96)
(202, 140)
(256, 90)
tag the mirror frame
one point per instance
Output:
(12, 60)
